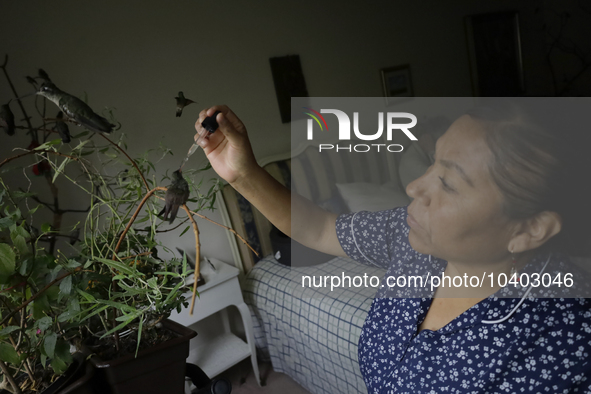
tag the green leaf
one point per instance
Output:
(45, 227)
(6, 223)
(66, 285)
(49, 344)
(44, 323)
(60, 169)
(20, 244)
(173, 292)
(32, 211)
(24, 267)
(40, 306)
(185, 230)
(58, 365)
(8, 354)
(96, 311)
(89, 297)
(7, 259)
(118, 305)
(81, 144)
(139, 336)
(48, 144)
(72, 264)
(8, 330)
(119, 327)
(117, 266)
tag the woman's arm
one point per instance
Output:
(231, 156)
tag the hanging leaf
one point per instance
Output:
(60, 169)
(185, 230)
(49, 344)
(66, 286)
(7, 260)
(8, 354)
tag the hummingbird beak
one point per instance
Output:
(26, 95)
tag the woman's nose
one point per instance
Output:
(417, 189)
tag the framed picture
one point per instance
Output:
(289, 81)
(397, 83)
(494, 48)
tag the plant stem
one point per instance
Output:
(227, 228)
(34, 297)
(27, 119)
(197, 258)
(130, 159)
(36, 151)
(132, 219)
(6, 372)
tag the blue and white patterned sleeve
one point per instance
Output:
(373, 238)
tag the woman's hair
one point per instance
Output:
(541, 162)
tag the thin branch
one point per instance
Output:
(167, 230)
(227, 228)
(197, 258)
(130, 159)
(34, 297)
(5, 161)
(132, 219)
(27, 118)
(6, 372)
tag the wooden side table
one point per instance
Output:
(218, 353)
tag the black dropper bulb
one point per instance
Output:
(210, 123)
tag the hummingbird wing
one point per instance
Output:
(175, 197)
(82, 113)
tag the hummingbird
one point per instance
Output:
(75, 108)
(181, 102)
(176, 195)
(62, 128)
(7, 119)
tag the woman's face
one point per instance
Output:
(457, 213)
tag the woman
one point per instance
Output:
(501, 199)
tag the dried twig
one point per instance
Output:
(227, 228)
(128, 157)
(197, 258)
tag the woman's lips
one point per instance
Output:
(412, 222)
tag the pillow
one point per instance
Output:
(362, 196)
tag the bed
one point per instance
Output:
(311, 333)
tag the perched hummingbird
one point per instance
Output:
(7, 119)
(181, 102)
(75, 108)
(62, 128)
(176, 195)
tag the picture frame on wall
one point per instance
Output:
(289, 82)
(397, 83)
(494, 49)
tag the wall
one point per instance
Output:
(136, 55)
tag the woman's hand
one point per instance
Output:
(228, 149)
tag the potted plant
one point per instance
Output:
(110, 292)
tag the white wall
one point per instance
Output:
(136, 55)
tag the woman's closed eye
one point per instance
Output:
(445, 185)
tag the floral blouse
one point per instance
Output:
(512, 342)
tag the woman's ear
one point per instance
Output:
(536, 231)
